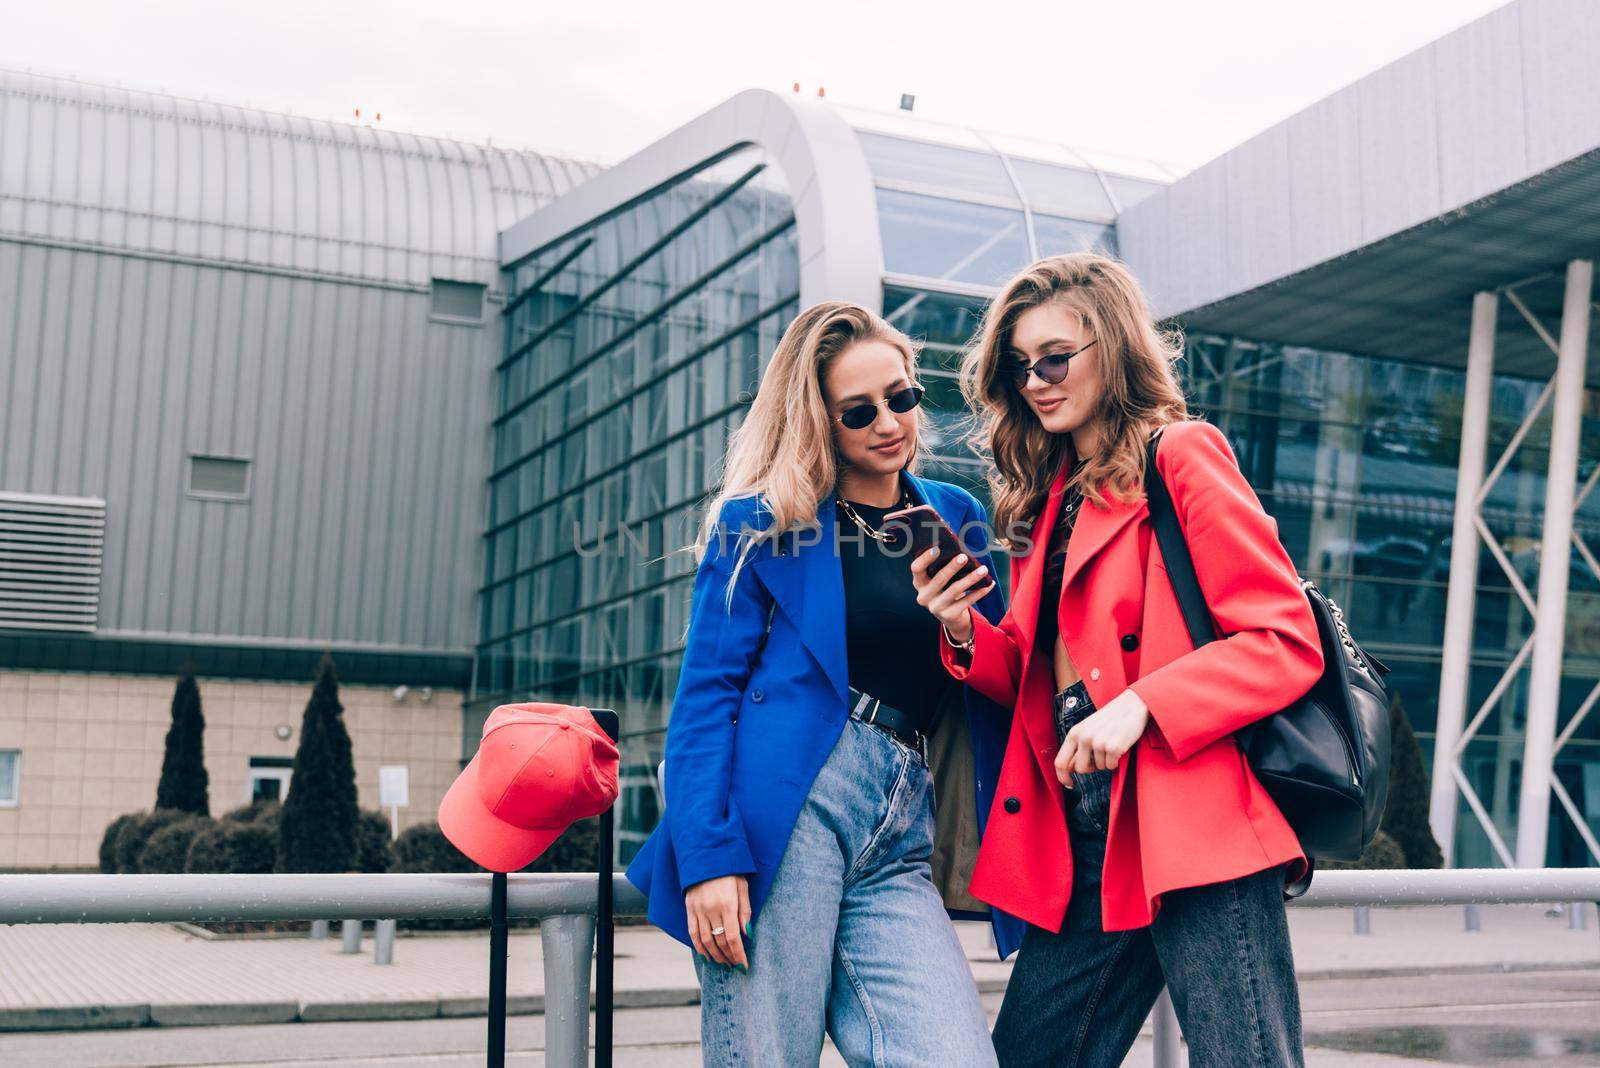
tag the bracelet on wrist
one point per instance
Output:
(966, 646)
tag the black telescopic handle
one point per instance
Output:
(497, 970)
(605, 927)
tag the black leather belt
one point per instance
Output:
(868, 709)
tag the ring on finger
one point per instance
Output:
(718, 931)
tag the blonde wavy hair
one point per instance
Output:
(1141, 389)
(784, 450)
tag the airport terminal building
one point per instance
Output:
(273, 385)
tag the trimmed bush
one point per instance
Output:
(233, 847)
(265, 813)
(136, 832)
(108, 841)
(167, 848)
(1382, 853)
(317, 830)
(574, 851)
(374, 852)
(184, 784)
(1405, 816)
(424, 848)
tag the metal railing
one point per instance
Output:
(565, 905)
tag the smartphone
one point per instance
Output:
(925, 527)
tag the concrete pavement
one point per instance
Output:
(646, 1038)
(64, 977)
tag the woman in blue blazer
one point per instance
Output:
(800, 852)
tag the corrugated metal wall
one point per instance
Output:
(180, 277)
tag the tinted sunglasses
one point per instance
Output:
(862, 415)
(1050, 369)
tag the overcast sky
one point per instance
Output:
(1177, 81)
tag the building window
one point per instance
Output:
(457, 302)
(10, 777)
(269, 778)
(219, 478)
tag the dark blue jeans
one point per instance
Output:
(1077, 998)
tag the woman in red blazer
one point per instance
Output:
(1129, 831)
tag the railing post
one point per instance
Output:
(1363, 920)
(349, 936)
(383, 941)
(1577, 915)
(568, 943)
(1167, 1052)
(1472, 917)
(319, 928)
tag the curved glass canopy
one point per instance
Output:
(964, 208)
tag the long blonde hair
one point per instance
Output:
(1141, 389)
(784, 450)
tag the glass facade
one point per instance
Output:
(632, 347)
(1356, 458)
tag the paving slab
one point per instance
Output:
(68, 976)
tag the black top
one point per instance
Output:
(1056, 562)
(892, 641)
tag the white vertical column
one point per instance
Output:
(1455, 673)
(1555, 557)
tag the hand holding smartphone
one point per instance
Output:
(926, 528)
(949, 598)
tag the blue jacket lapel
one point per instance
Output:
(806, 581)
(808, 584)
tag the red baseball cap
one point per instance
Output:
(538, 769)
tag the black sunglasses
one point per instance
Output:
(1050, 369)
(861, 416)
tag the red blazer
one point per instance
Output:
(1185, 809)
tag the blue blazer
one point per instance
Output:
(750, 727)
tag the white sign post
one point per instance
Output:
(394, 792)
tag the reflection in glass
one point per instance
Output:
(938, 319)
(1062, 190)
(1055, 236)
(950, 240)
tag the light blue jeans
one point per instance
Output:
(854, 939)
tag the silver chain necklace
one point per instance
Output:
(905, 502)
